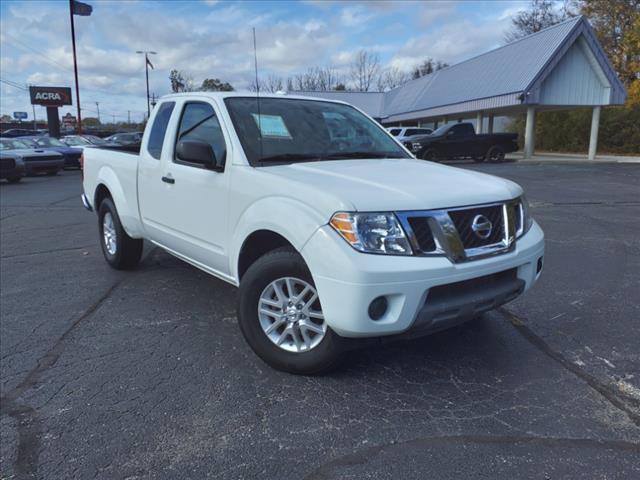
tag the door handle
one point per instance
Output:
(169, 180)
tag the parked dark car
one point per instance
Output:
(71, 155)
(83, 140)
(17, 132)
(459, 140)
(11, 167)
(36, 160)
(128, 138)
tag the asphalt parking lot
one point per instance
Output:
(144, 374)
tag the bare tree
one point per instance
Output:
(392, 77)
(540, 14)
(314, 79)
(427, 67)
(364, 70)
(181, 81)
(328, 78)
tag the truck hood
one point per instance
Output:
(397, 184)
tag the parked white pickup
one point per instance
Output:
(328, 225)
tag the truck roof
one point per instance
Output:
(223, 95)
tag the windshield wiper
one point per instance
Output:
(363, 154)
(290, 157)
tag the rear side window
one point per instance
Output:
(199, 122)
(159, 128)
(463, 130)
(395, 131)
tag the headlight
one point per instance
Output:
(525, 221)
(372, 232)
(415, 147)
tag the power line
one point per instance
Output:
(23, 45)
(14, 84)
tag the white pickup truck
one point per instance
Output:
(329, 227)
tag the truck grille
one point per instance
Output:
(464, 222)
(464, 234)
(7, 164)
(422, 232)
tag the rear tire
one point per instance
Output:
(120, 250)
(324, 349)
(495, 154)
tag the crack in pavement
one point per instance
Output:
(609, 393)
(361, 457)
(28, 423)
(42, 252)
(65, 200)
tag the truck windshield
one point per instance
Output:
(288, 130)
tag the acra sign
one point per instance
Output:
(50, 96)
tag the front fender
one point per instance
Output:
(125, 199)
(291, 219)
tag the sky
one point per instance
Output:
(213, 39)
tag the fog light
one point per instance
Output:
(539, 267)
(378, 308)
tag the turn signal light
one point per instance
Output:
(343, 224)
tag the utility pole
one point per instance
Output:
(128, 116)
(114, 119)
(82, 9)
(147, 64)
(98, 109)
(34, 118)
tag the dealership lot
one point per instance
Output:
(145, 375)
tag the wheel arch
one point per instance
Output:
(108, 185)
(276, 221)
(257, 244)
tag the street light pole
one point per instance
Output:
(75, 65)
(146, 67)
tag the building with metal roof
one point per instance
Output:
(560, 67)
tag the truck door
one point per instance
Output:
(459, 140)
(193, 207)
(151, 170)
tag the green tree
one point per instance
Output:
(91, 122)
(618, 29)
(215, 85)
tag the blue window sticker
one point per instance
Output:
(271, 126)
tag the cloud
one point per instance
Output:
(214, 39)
(450, 43)
(355, 16)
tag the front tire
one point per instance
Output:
(120, 250)
(281, 318)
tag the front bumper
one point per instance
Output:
(348, 281)
(85, 202)
(39, 166)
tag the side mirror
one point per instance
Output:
(198, 152)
